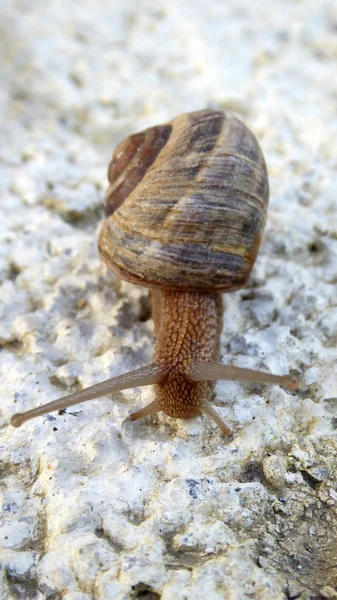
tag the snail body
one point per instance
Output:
(189, 331)
(185, 211)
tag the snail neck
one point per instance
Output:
(188, 326)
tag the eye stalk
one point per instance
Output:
(153, 374)
(138, 378)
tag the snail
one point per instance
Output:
(185, 210)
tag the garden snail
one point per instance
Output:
(185, 210)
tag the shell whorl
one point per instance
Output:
(187, 202)
(130, 161)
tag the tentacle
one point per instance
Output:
(140, 377)
(149, 409)
(202, 371)
(208, 410)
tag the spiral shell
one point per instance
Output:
(186, 205)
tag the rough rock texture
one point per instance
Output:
(94, 506)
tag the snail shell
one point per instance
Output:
(186, 205)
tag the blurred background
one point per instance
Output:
(94, 71)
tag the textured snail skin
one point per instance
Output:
(186, 205)
(188, 331)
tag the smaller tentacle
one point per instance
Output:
(208, 410)
(149, 409)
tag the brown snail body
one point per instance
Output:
(185, 211)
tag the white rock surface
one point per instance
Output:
(94, 506)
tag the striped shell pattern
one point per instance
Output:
(186, 204)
